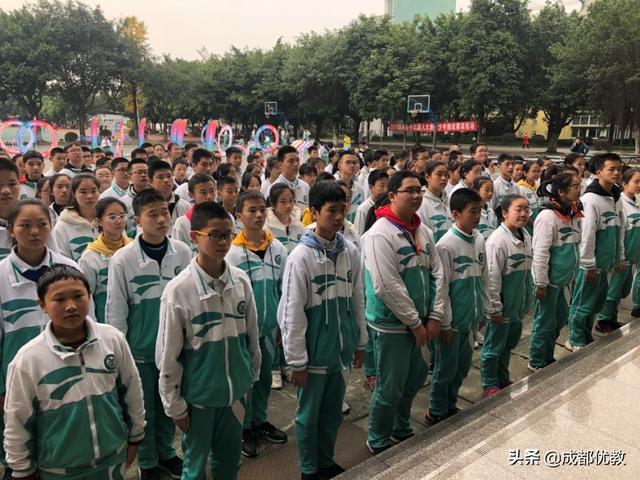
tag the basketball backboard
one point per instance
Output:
(270, 108)
(418, 104)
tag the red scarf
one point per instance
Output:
(412, 227)
(189, 212)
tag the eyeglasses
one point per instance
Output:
(121, 170)
(140, 173)
(213, 236)
(351, 162)
(414, 192)
(116, 218)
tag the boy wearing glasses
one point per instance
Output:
(139, 176)
(207, 349)
(262, 257)
(138, 274)
(120, 182)
(402, 273)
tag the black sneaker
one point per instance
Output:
(172, 466)
(151, 474)
(453, 411)
(270, 433)
(249, 444)
(7, 473)
(309, 476)
(605, 327)
(635, 312)
(433, 419)
(330, 472)
(377, 450)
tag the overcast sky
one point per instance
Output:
(181, 27)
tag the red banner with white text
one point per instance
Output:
(427, 127)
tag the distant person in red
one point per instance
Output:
(525, 140)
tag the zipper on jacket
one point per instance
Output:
(92, 418)
(226, 368)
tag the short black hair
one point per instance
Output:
(103, 162)
(504, 157)
(157, 166)
(224, 169)
(597, 161)
(226, 180)
(9, 166)
(85, 149)
(245, 197)
(55, 151)
(324, 192)
(571, 158)
(32, 154)
(190, 145)
(474, 147)
(198, 179)
(97, 150)
(282, 151)
(232, 151)
(349, 151)
(117, 161)
(375, 176)
(146, 145)
(138, 151)
(205, 212)
(56, 273)
(395, 182)
(136, 161)
(312, 148)
(307, 169)
(467, 166)
(200, 153)
(146, 197)
(324, 176)
(178, 161)
(276, 191)
(463, 197)
(104, 203)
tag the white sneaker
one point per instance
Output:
(276, 380)
(345, 408)
(571, 348)
(531, 368)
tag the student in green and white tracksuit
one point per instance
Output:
(601, 248)
(463, 256)
(291, 233)
(138, 274)
(321, 315)
(111, 215)
(263, 262)
(208, 356)
(510, 291)
(405, 289)
(51, 426)
(620, 283)
(488, 219)
(434, 213)
(72, 233)
(556, 256)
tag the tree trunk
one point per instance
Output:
(81, 124)
(134, 100)
(637, 130)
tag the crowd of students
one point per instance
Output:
(171, 289)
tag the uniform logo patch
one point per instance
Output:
(278, 259)
(481, 258)
(177, 270)
(110, 363)
(349, 276)
(241, 307)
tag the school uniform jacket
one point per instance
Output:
(556, 252)
(509, 264)
(435, 214)
(114, 191)
(95, 267)
(181, 230)
(488, 221)
(348, 232)
(466, 275)
(288, 235)
(207, 348)
(321, 312)
(135, 285)
(602, 244)
(632, 229)
(361, 215)
(69, 412)
(300, 190)
(73, 233)
(265, 275)
(502, 188)
(403, 287)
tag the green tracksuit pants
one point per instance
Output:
(499, 340)
(402, 371)
(318, 419)
(635, 289)
(370, 355)
(549, 317)
(259, 397)
(588, 299)
(159, 430)
(115, 472)
(619, 288)
(217, 431)
(452, 366)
